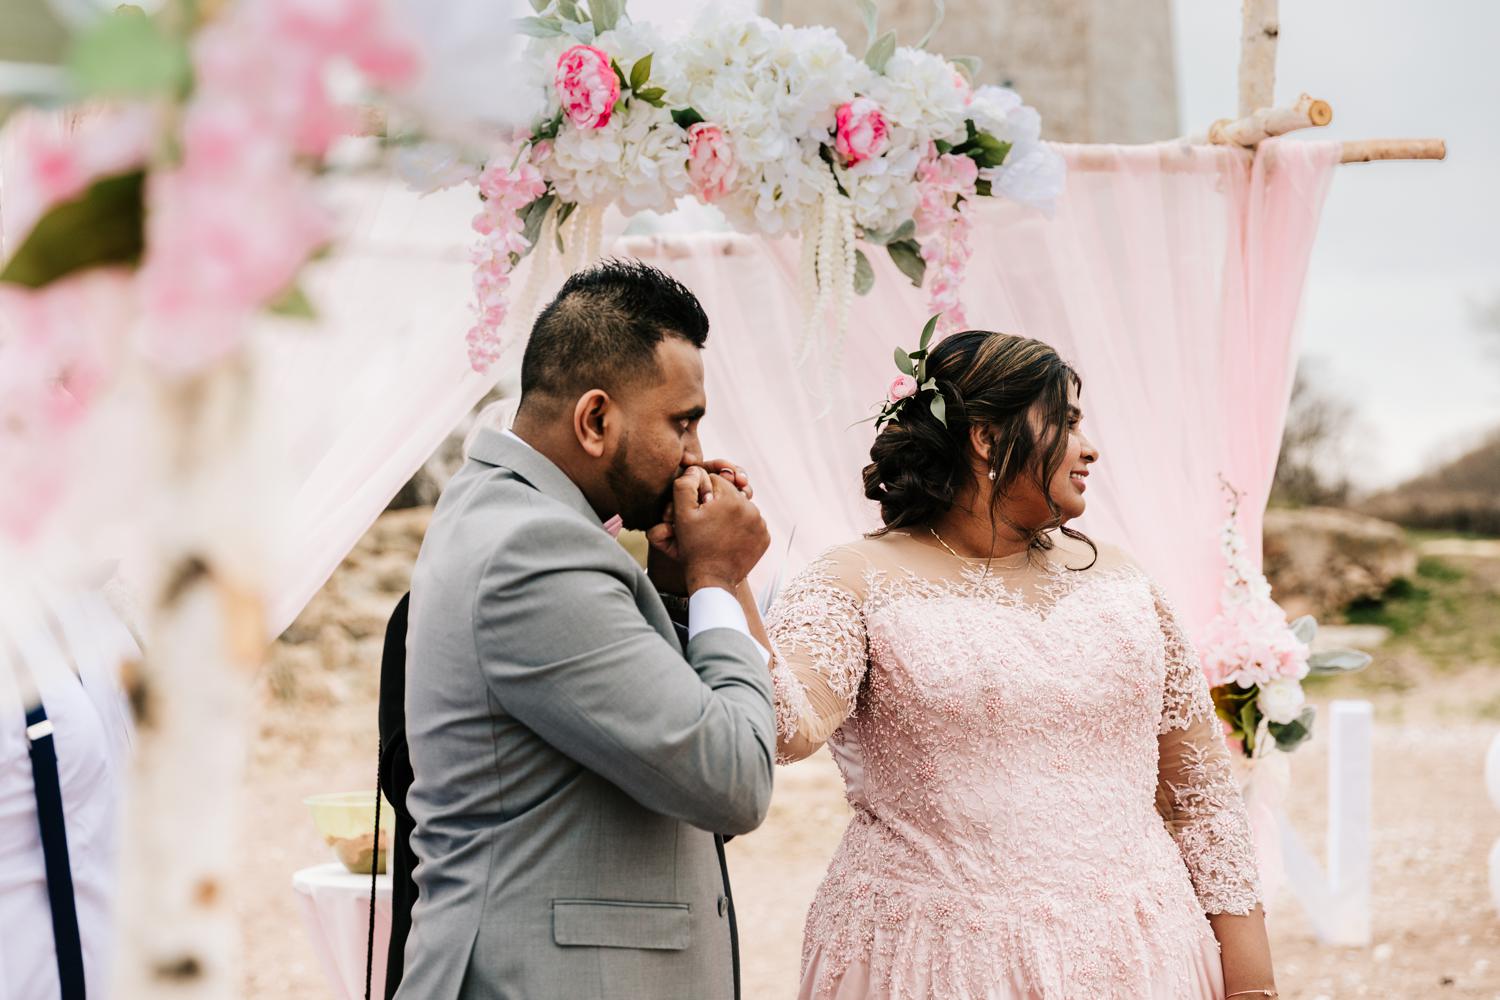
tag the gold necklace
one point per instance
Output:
(966, 558)
(943, 543)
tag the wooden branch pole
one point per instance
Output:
(1259, 31)
(1264, 123)
(1370, 150)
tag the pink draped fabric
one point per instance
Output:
(1170, 277)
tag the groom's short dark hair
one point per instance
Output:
(601, 330)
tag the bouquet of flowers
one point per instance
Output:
(780, 127)
(1255, 661)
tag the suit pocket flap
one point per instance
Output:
(609, 923)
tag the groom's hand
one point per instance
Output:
(719, 534)
(664, 560)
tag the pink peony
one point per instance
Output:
(587, 86)
(1250, 643)
(861, 132)
(711, 163)
(902, 387)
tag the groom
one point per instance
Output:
(574, 764)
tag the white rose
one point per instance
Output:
(1281, 701)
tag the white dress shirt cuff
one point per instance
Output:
(715, 607)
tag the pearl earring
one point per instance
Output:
(992, 475)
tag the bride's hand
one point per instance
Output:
(733, 473)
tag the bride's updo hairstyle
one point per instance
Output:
(918, 467)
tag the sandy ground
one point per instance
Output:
(1436, 933)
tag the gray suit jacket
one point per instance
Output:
(572, 766)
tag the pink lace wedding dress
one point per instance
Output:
(1043, 804)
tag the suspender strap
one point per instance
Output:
(49, 811)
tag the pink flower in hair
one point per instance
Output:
(902, 387)
(861, 131)
(587, 86)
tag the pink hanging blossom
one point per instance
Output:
(712, 166)
(501, 245)
(945, 186)
(587, 86)
(902, 387)
(860, 131)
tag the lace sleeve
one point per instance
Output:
(818, 657)
(1197, 793)
(1185, 699)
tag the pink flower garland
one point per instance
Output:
(501, 244)
(946, 184)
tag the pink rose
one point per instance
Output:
(711, 163)
(861, 131)
(587, 86)
(902, 387)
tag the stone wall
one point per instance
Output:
(1097, 70)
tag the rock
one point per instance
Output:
(1319, 559)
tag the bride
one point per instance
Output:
(1043, 804)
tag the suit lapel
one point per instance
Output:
(499, 449)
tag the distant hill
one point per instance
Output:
(1462, 495)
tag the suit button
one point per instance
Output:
(723, 905)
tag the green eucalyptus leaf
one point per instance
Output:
(940, 409)
(864, 274)
(907, 256)
(903, 362)
(533, 215)
(870, 14)
(564, 212)
(540, 6)
(652, 95)
(969, 66)
(292, 303)
(583, 31)
(640, 72)
(1305, 628)
(1290, 735)
(1338, 661)
(880, 53)
(928, 330)
(103, 226)
(539, 27)
(605, 14)
(937, 21)
(566, 8)
(686, 118)
(126, 54)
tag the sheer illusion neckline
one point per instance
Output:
(1016, 560)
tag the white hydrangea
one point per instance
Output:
(1033, 172)
(920, 91)
(639, 158)
(881, 188)
(775, 91)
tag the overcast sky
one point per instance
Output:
(1406, 249)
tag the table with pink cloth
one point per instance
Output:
(335, 906)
